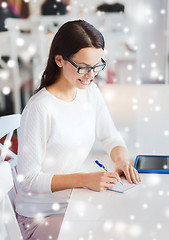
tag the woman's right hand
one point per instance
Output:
(99, 181)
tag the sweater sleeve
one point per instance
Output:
(106, 131)
(32, 140)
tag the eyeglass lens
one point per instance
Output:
(88, 69)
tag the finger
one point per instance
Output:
(109, 185)
(103, 187)
(113, 180)
(132, 175)
(137, 175)
(127, 174)
(114, 175)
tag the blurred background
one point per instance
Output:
(135, 81)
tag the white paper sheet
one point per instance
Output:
(123, 188)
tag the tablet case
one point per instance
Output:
(164, 171)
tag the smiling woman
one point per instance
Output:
(58, 129)
(72, 37)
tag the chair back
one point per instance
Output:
(8, 124)
(9, 228)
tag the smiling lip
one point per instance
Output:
(84, 82)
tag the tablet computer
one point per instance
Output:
(152, 164)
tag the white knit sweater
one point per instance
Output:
(55, 137)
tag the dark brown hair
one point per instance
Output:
(70, 38)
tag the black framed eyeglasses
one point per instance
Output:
(84, 70)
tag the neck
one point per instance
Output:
(63, 90)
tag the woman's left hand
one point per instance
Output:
(129, 171)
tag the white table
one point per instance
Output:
(142, 213)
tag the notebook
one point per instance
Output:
(123, 188)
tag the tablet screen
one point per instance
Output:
(153, 162)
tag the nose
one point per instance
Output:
(90, 75)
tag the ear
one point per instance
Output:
(59, 60)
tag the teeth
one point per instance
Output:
(84, 81)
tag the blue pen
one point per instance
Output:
(101, 165)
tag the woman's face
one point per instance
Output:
(86, 57)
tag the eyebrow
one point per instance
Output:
(88, 64)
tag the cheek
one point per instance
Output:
(70, 73)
